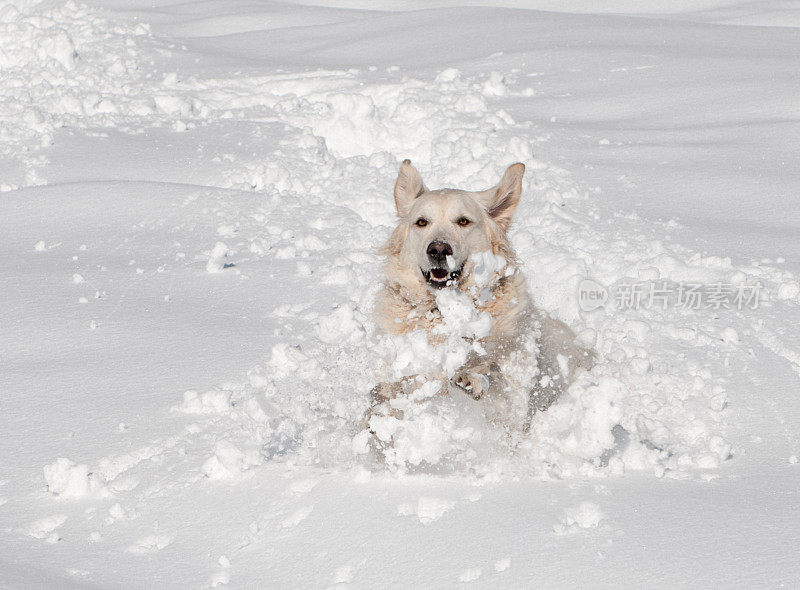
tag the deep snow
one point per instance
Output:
(194, 196)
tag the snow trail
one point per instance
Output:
(642, 407)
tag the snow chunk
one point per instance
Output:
(216, 259)
(229, 462)
(586, 515)
(44, 528)
(70, 480)
(486, 265)
(428, 509)
(461, 319)
(342, 325)
(433, 427)
(495, 85)
(470, 575)
(344, 575)
(448, 75)
(287, 361)
(60, 47)
(220, 578)
(173, 105)
(707, 461)
(789, 290)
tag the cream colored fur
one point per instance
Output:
(408, 301)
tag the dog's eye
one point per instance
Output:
(463, 221)
(421, 222)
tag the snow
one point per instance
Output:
(216, 259)
(486, 265)
(44, 528)
(587, 515)
(68, 480)
(193, 198)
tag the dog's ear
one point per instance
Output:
(407, 188)
(502, 200)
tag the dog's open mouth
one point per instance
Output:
(441, 277)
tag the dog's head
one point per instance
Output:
(438, 231)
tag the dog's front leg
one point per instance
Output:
(478, 377)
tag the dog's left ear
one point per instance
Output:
(407, 188)
(502, 200)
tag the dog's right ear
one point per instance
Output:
(407, 188)
(501, 201)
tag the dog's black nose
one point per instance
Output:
(438, 251)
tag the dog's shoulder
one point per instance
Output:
(399, 312)
(510, 307)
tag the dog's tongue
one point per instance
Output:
(439, 273)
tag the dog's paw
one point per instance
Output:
(473, 383)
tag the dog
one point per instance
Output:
(526, 354)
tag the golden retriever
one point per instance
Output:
(436, 245)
